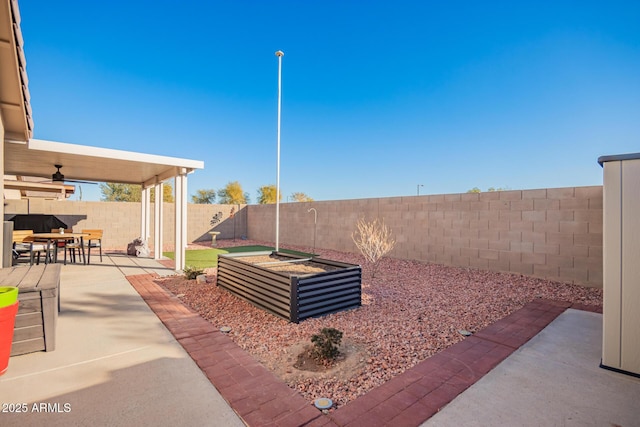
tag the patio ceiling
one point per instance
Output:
(81, 162)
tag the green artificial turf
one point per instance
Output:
(206, 258)
(258, 248)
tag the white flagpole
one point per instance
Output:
(279, 54)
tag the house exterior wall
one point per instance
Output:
(553, 233)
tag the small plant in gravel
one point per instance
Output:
(191, 272)
(374, 241)
(326, 343)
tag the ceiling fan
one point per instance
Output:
(59, 177)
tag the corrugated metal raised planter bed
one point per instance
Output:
(291, 286)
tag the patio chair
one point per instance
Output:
(23, 242)
(70, 246)
(93, 240)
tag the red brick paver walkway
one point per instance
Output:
(262, 399)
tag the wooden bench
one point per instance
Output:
(39, 297)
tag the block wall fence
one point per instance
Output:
(553, 233)
(121, 220)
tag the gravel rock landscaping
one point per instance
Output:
(410, 311)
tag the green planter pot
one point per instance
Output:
(8, 296)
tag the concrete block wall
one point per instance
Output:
(233, 222)
(551, 233)
(121, 221)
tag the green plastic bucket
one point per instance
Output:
(8, 296)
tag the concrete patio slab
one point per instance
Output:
(553, 380)
(114, 364)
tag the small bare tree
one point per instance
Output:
(374, 241)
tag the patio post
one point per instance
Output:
(181, 219)
(145, 204)
(158, 222)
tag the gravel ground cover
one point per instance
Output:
(410, 311)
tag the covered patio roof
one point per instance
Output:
(80, 162)
(24, 156)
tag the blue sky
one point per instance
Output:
(377, 97)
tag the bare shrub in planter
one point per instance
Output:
(374, 241)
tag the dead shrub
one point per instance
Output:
(374, 241)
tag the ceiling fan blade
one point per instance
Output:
(80, 182)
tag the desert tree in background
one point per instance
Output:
(300, 197)
(117, 192)
(267, 194)
(204, 197)
(233, 194)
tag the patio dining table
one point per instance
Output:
(51, 237)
